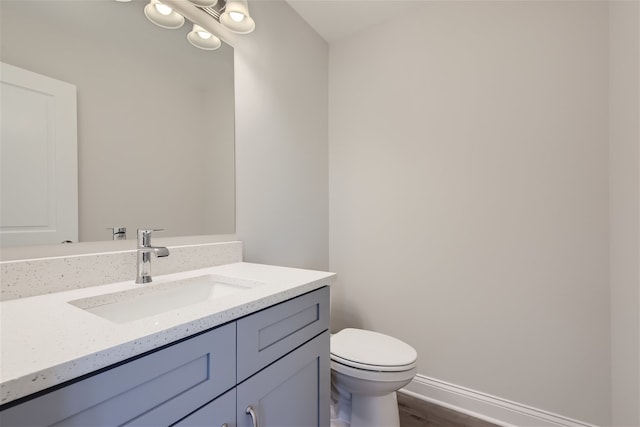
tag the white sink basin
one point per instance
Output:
(150, 300)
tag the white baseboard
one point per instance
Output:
(484, 406)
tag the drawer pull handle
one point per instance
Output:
(254, 416)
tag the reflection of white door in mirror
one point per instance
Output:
(38, 154)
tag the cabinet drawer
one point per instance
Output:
(156, 389)
(267, 335)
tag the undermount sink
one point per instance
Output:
(150, 300)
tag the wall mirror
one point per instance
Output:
(155, 115)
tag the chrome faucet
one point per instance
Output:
(144, 255)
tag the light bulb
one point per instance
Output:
(162, 15)
(163, 9)
(203, 39)
(236, 16)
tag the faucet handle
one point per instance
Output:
(144, 236)
(148, 230)
(118, 233)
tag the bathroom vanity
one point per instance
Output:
(256, 357)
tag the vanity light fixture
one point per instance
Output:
(207, 16)
(201, 38)
(162, 15)
(236, 17)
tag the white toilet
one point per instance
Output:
(367, 368)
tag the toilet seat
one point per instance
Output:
(368, 367)
(371, 351)
(372, 375)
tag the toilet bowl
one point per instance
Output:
(367, 368)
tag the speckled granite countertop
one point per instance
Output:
(46, 341)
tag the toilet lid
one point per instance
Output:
(371, 350)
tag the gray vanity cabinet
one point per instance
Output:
(275, 360)
(292, 392)
(283, 368)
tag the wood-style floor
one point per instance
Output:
(418, 413)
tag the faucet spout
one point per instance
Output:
(144, 255)
(161, 252)
(158, 251)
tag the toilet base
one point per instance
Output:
(374, 411)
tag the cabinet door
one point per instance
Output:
(221, 412)
(292, 392)
(154, 390)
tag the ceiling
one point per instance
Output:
(337, 19)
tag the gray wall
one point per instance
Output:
(281, 140)
(469, 196)
(624, 218)
(472, 195)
